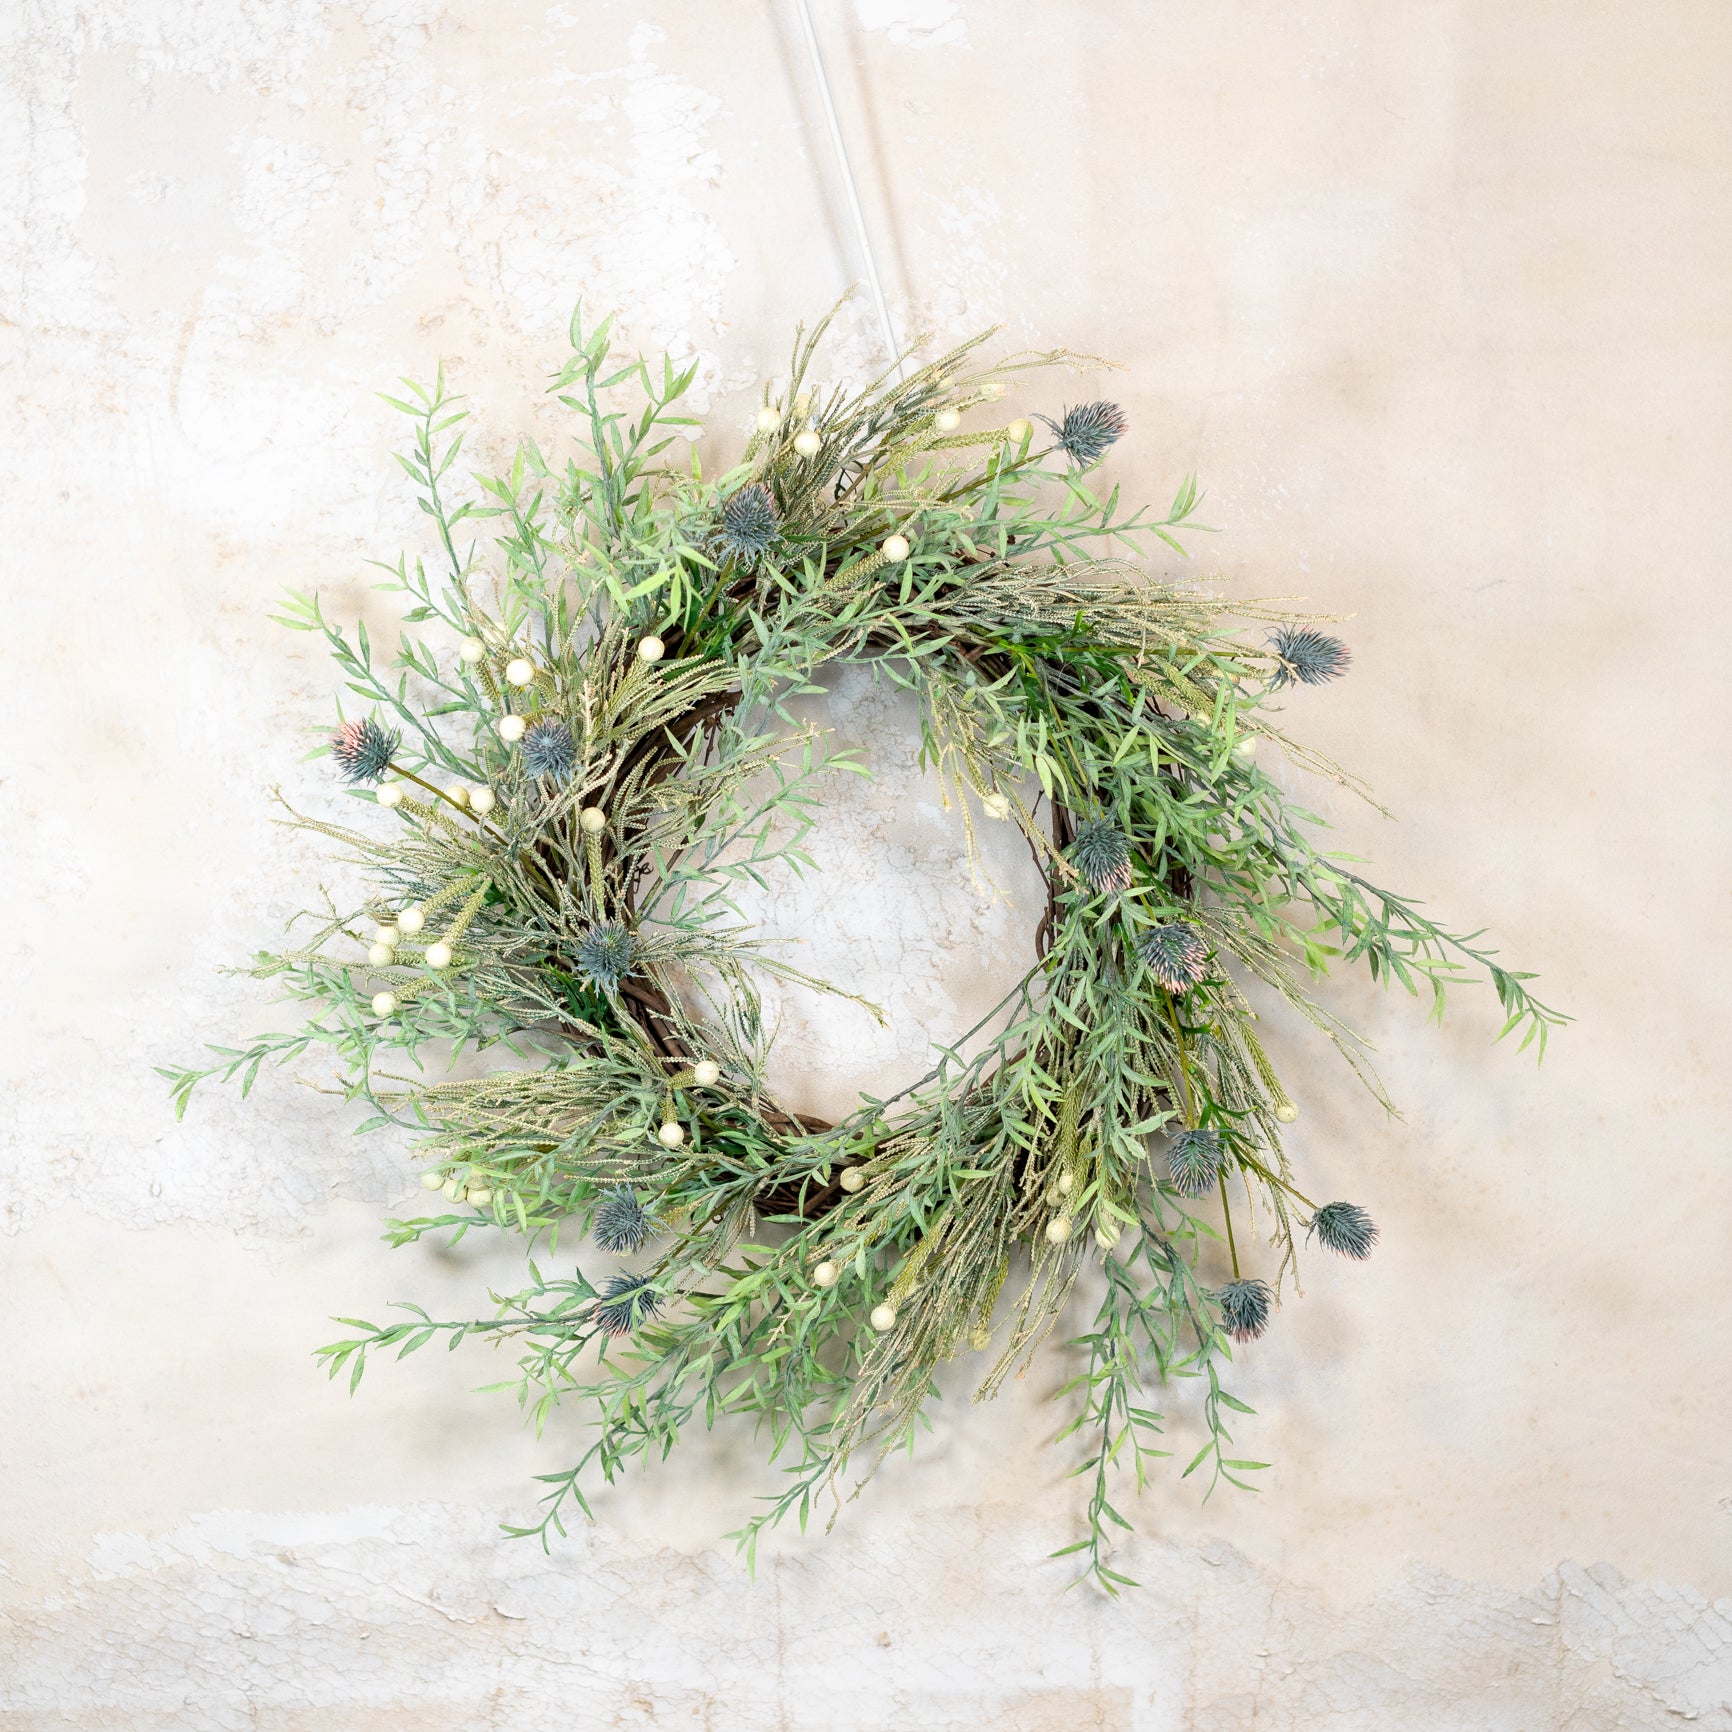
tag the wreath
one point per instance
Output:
(554, 822)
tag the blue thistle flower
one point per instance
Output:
(1087, 430)
(363, 750)
(1245, 1308)
(750, 524)
(549, 750)
(1194, 1162)
(622, 1224)
(1102, 855)
(606, 954)
(1177, 955)
(1345, 1229)
(627, 1302)
(1310, 657)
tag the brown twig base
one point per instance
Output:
(650, 1009)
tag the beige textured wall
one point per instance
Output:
(1434, 296)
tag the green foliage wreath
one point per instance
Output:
(570, 802)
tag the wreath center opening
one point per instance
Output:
(900, 910)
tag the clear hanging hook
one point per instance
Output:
(855, 209)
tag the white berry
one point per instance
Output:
(997, 805)
(385, 935)
(853, 1178)
(479, 1195)
(768, 420)
(1107, 1235)
(519, 672)
(592, 820)
(802, 402)
(384, 1003)
(439, 955)
(825, 1275)
(883, 1317)
(1058, 1229)
(1246, 745)
(390, 796)
(457, 794)
(895, 548)
(381, 955)
(671, 1135)
(412, 919)
(481, 800)
(1286, 1112)
(1018, 430)
(1066, 1184)
(947, 420)
(452, 1189)
(808, 444)
(472, 650)
(433, 1181)
(512, 728)
(706, 1073)
(992, 390)
(651, 649)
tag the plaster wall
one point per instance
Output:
(1433, 296)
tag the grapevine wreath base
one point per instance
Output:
(553, 822)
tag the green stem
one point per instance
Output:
(1005, 472)
(1227, 1213)
(1190, 1124)
(440, 794)
(1184, 1063)
(1270, 1178)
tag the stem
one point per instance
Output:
(1227, 1213)
(724, 576)
(1184, 1067)
(1190, 1124)
(1005, 471)
(433, 473)
(440, 794)
(956, 1045)
(1270, 1178)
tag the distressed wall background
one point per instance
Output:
(1433, 295)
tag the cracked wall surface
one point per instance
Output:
(1432, 297)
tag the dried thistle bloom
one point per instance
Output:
(549, 750)
(1194, 1162)
(1245, 1308)
(622, 1224)
(1345, 1229)
(1087, 430)
(627, 1302)
(606, 954)
(1310, 657)
(1177, 955)
(363, 750)
(1102, 855)
(750, 524)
